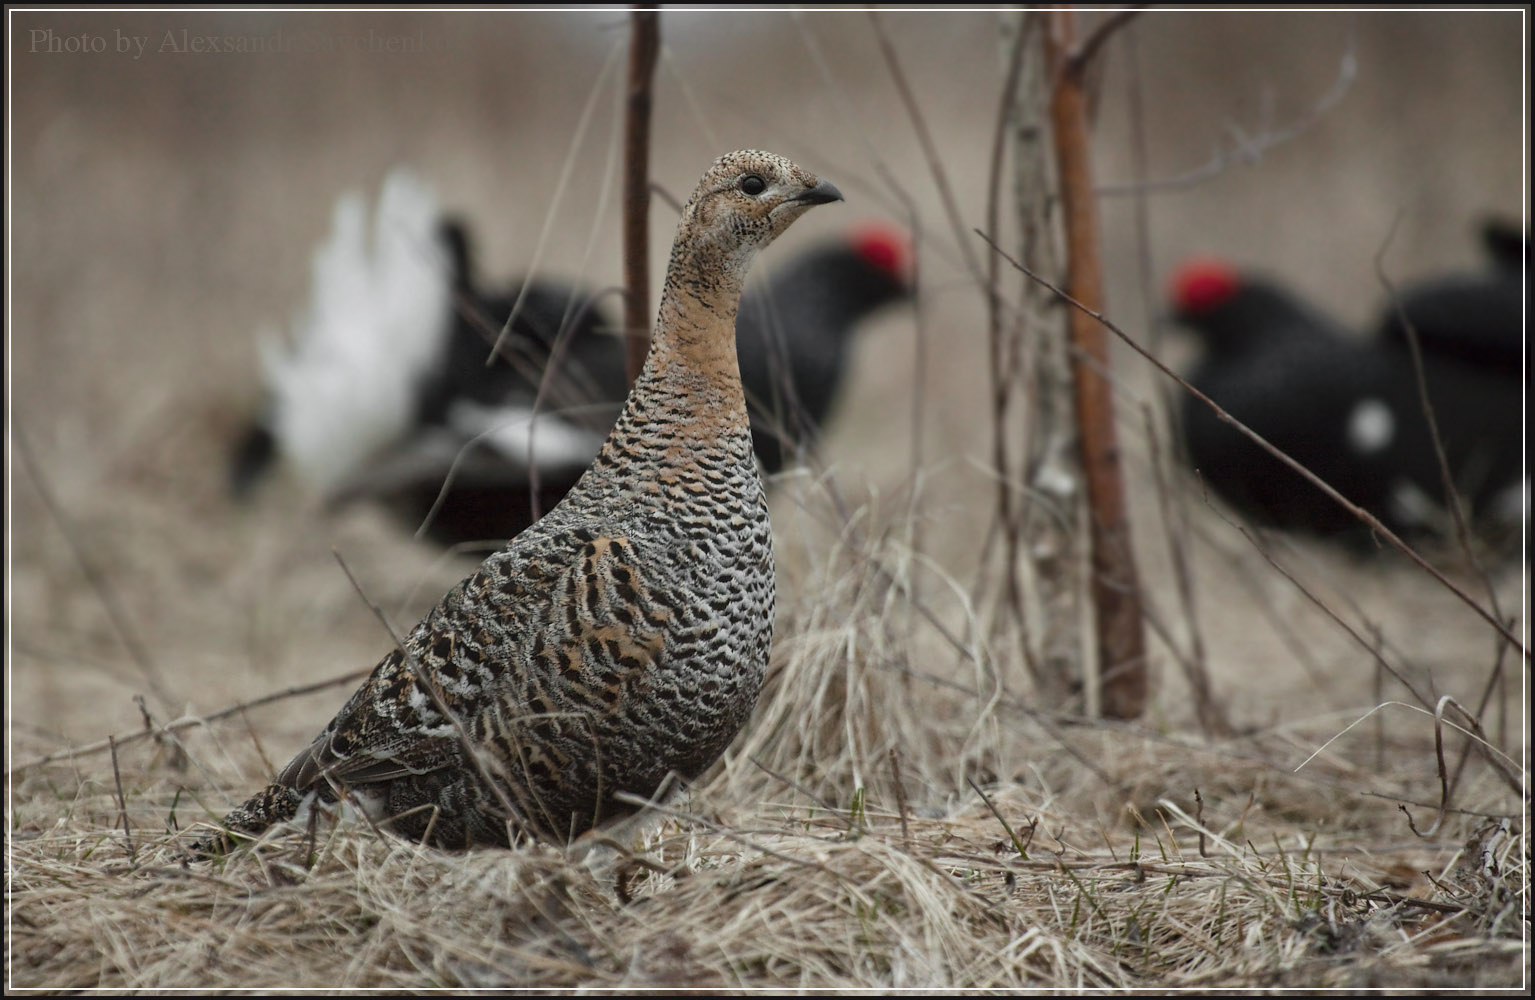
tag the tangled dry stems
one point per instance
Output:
(874, 829)
(775, 893)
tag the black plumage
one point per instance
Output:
(483, 449)
(1346, 407)
(796, 329)
(1475, 316)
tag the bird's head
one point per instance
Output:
(1201, 286)
(1237, 313)
(885, 250)
(747, 199)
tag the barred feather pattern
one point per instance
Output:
(619, 642)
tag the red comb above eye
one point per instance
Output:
(884, 247)
(1202, 284)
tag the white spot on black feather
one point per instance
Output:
(1371, 426)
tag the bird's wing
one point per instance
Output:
(393, 727)
(381, 734)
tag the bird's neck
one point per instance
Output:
(692, 362)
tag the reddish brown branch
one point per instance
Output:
(644, 46)
(1115, 587)
(1106, 29)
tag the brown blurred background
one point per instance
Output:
(165, 203)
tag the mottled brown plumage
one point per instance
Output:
(620, 640)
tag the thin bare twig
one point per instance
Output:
(1172, 505)
(1199, 819)
(99, 584)
(651, 804)
(567, 170)
(1479, 814)
(1372, 648)
(1018, 845)
(1447, 479)
(1007, 517)
(1088, 50)
(929, 147)
(900, 796)
(1286, 631)
(1250, 149)
(807, 793)
(71, 753)
(1211, 718)
(122, 801)
(1190, 871)
(1444, 777)
(644, 46)
(571, 321)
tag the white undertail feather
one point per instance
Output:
(343, 385)
(1371, 426)
(517, 433)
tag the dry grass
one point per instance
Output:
(906, 809)
(845, 843)
(1276, 887)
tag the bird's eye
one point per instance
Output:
(753, 185)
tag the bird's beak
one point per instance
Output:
(823, 193)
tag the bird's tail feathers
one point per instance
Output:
(342, 384)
